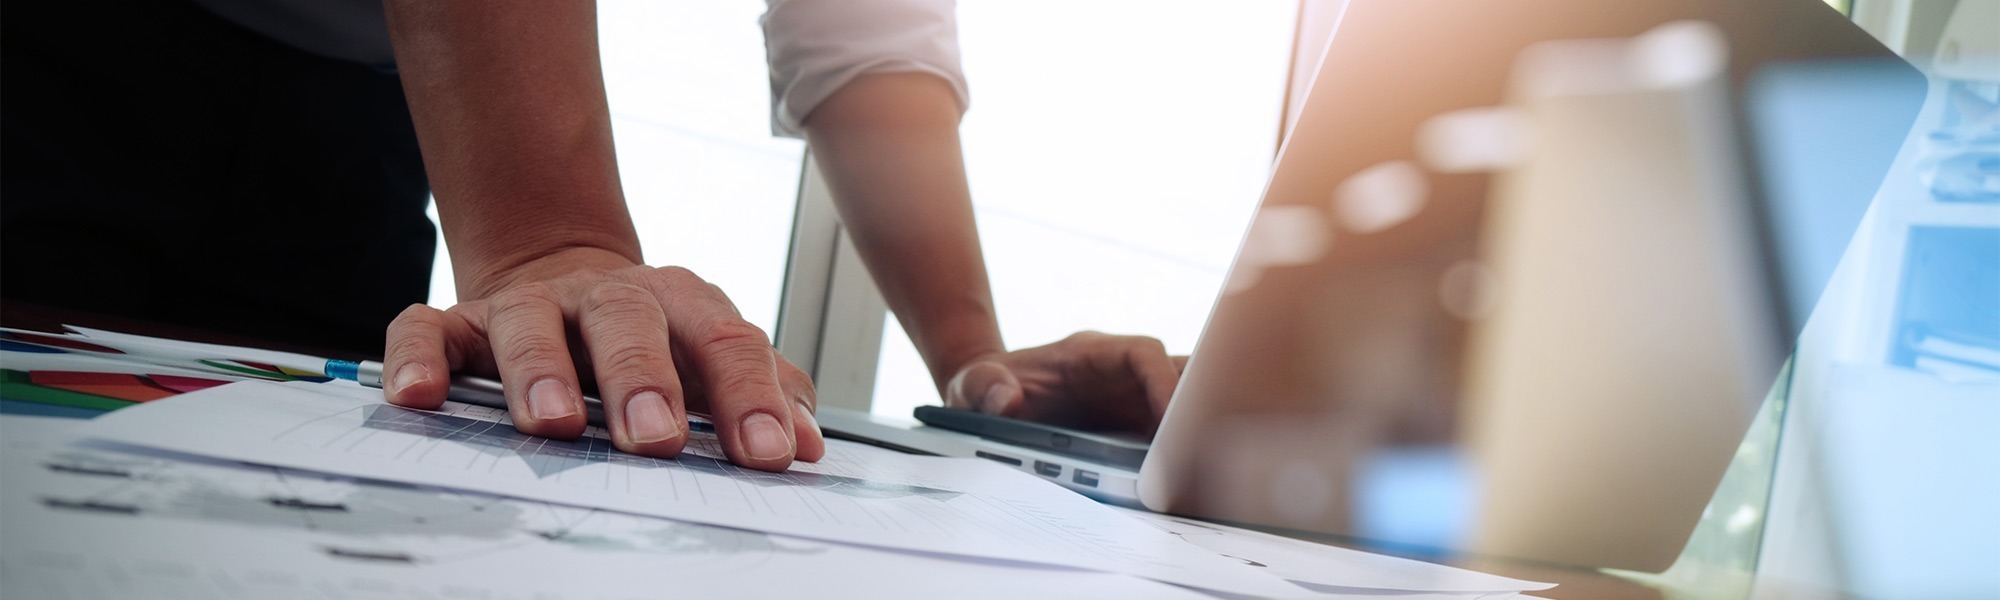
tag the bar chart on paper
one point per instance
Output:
(924, 504)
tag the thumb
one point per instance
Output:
(985, 386)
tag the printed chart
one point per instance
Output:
(116, 524)
(950, 506)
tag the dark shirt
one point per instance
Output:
(166, 164)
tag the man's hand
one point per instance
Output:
(507, 98)
(657, 341)
(1089, 380)
(888, 146)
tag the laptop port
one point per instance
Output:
(1083, 477)
(1048, 469)
(997, 458)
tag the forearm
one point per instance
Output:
(508, 102)
(888, 147)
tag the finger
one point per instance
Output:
(798, 388)
(423, 346)
(624, 330)
(1180, 364)
(1148, 360)
(738, 369)
(532, 353)
(752, 416)
(986, 386)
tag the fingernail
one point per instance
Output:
(996, 399)
(803, 415)
(764, 438)
(549, 400)
(648, 419)
(409, 376)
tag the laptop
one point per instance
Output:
(1511, 289)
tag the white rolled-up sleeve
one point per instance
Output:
(816, 46)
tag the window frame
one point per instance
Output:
(831, 317)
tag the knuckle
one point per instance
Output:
(418, 313)
(618, 297)
(575, 278)
(677, 282)
(526, 296)
(734, 335)
(721, 298)
(798, 383)
(416, 321)
(738, 352)
(786, 367)
(743, 383)
(416, 335)
(471, 308)
(677, 274)
(791, 374)
(645, 359)
(532, 351)
(414, 346)
(633, 273)
(512, 325)
(587, 274)
(1087, 339)
(807, 395)
(648, 279)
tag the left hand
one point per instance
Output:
(1089, 380)
(659, 342)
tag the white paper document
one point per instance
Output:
(1320, 565)
(84, 522)
(166, 347)
(958, 507)
(33, 361)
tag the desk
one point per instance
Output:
(1574, 583)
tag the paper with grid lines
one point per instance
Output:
(858, 495)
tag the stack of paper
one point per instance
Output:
(321, 485)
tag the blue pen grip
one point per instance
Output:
(343, 369)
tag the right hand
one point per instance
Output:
(659, 342)
(1089, 380)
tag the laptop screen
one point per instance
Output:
(1511, 289)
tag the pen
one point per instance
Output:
(263, 364)
(477, 391)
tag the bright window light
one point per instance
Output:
(1116, 151)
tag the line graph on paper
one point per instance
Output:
(857, 495)
(445, 437)
(482, 440)
(109, 524)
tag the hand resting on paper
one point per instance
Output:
(658, 342)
